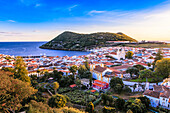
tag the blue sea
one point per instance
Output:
(32, 49)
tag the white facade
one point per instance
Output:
(164, 102)
(154, 102)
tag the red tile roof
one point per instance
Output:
(99, 68)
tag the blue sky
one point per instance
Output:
(39, 20)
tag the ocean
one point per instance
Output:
(32, 49)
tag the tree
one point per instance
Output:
(86, 63)
(116, 84)
(73, 69)
(21, 72)
(162, 67)
(8, 69)
(82, 71)
(127, 90)
(135, 106)
(149, 64)
(78, 82)
(38, 107)
(90, 80)
(118, 88)
(13, 91)
(129, 55)
(119, 104)
(104, 98)
(159, 56)
(55, 86)
(57, 75)
(57, 101)
(132, 70)
(146, 73)
(90, 108)
(145, 101)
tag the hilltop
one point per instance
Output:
(81, 42)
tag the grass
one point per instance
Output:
(149, 45)
(142, 80)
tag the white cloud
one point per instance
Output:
(70, 8)
(95, 12)
(11, 21)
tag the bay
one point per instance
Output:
(32, 49)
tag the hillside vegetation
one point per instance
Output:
(81, 42)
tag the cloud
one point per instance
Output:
(37, 5)
(95, 12)
(72, 7)
(11, 21)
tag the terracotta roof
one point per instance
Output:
(96, 84)
(100, 69)
(121, 67)
(93, 91)
(74, 85)
(152, 93)
(166, 94)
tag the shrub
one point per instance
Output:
(57, 101)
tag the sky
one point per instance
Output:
(42, 20)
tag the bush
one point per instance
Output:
(127, 90)
(57, 101)
(38, 107)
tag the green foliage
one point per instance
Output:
(116, 84)
(145, 101)
(106, 98)
(73, 69)
(78, 82)
(132, 70)
(159, 55)
(38, 107)
(78, 97)
(65, 90)
(162, 68)
(21, 72)
(75, 41)
(146, 73)
(136, 106)
(9, 69)
(109, 110)
(57, 101)
(119, 104)
(129, 55)
(13, 91)
(127, 90)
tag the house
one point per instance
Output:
(100, 85)
(153, 97)
(159, 96)
(99, 72)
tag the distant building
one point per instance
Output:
(100, 85)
